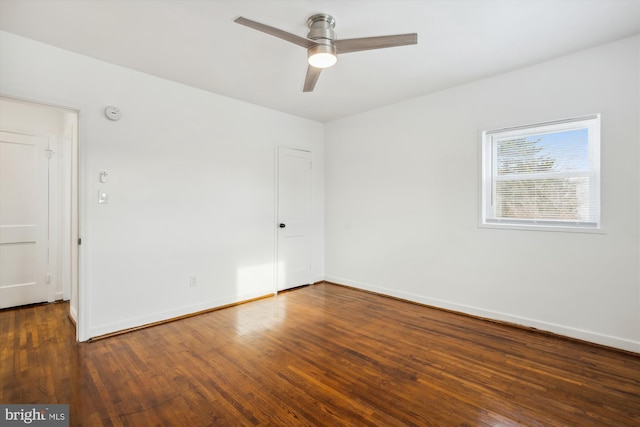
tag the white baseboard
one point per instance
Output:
(73, 314)
(135, 322)
(581, 334)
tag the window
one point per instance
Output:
(543, 176)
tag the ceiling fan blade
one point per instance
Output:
(312, 77)
(380, 42)
(300, 41)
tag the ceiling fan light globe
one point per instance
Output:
(322, 60)
(322, 56)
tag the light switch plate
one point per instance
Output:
(103, 197)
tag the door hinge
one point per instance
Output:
(50, 154)
(79, 241)
(47, 279)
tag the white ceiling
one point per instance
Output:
(196, 42)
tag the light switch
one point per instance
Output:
(103, 197)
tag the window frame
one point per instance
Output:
(489, 176)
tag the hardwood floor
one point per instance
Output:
(322, 355)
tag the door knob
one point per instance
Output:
(282, 225)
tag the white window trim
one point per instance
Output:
(486, 183)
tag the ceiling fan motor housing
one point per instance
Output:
(321, 28)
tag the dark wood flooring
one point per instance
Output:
(322, 355)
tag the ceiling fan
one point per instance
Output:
(323, 46)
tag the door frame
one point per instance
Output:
(54, 217)
(77, 211)
(276, 234)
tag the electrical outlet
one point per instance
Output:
(193, 281)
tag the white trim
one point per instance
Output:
(276, 170)
(551, 123)
(536, 227)
(581, 334)
(73, 315)
(54, 219)
(489, 178)
(134, 322)
(84, 285)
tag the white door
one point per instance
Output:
(24, 218)
(294, 218)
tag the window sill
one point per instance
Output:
(539, 227)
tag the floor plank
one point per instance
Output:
(322, 355)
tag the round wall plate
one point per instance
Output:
(112, 113)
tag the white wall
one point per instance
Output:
(191, 186)
(402, 205)
(192, 192)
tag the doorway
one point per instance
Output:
(24, 219)
(39, 204)
(294, 218)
